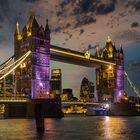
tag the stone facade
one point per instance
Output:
(110, 79)
(32, 78)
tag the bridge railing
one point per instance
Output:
(14, 99)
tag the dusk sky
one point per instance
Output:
(75, 24)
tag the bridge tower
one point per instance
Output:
(109, 79)
(32, 78)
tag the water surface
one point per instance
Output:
(73, 128)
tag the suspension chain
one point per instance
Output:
(135, 90)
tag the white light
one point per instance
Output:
(107, 106)
(107, 118)
(120, 94)
(41, 84)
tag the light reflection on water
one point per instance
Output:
(114, 128)
(73, 128)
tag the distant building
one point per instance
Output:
(87, 89)
(109, 79)
(56, 82)
(67, 94)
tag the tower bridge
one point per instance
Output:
(32, 77)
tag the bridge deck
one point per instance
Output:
(74, 57)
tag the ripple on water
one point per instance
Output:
(73, 128)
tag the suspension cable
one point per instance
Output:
(6, 62)
(135, 90)
(25, 56)
(13, 62)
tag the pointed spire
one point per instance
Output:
(32, 23)
(121, 50)
(108, 39)
(97, 52)
(114, 43)
(47, 29)
(41, 32)
(17, 32)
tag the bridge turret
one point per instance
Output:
(110, 80)
(109, 48)
(33, 79)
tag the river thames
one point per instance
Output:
(73, 128)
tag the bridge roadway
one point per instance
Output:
(81, 103)
(74, 57)
(14, 99)
(26, 99)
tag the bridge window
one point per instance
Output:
(2, 109)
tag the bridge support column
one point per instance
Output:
(39, 118)
(119, 91)
(40, 84)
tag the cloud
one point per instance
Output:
(128, 35)
(85, 11)
(57, 29)
(85, 6)
(4, 10)
(2, 39)
(134, 66)
(67, 25)
(81, 31)
(1, 18)
(98, 6)
(137, 5)
(134, 24)
(1, 26)
(83, 20)
(134, 4)
(31, 1)
(105, 8)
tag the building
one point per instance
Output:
(109, 79)
(67, 94)
(56, 82)
(6, 85)
(32, 77)
(87, 89)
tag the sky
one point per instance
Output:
(76, 24)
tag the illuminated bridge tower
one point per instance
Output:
(110, 79)
(32, 78)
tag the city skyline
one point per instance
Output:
(84, 26)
